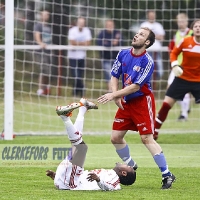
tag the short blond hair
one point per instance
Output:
(182, 16)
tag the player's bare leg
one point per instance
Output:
(122, 149)
(151, 144)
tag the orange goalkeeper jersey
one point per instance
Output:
(191, 58)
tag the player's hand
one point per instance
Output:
(51, 174)
(43, 45)
(93, 177)
(177, 70)
(115, 42)
(105, 98)
(118, 102)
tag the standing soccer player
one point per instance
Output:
(187, 75)
(136, 102)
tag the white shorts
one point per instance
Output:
(67, 175)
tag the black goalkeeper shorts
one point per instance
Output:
(180, 87)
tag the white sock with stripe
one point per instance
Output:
(73, 134)
(80, 119)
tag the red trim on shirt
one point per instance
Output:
(137, 55)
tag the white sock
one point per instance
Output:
(185, 105)
(80, 119)
(74, 136)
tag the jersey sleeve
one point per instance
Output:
(71, 35)
(109, 182)
(146, 70)
(175, 52)
(38, 28)
(88, 35)
(116, 70)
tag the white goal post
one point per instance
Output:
(9, 72)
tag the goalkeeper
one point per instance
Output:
(187, 76)
(70, 175)
(182, 32)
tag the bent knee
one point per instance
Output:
(82, 147)
(146, 139)
(116, 139)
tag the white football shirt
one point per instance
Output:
(72, 177)
(158, 29)
(80, 36)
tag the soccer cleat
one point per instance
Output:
(167, 182)
(88, 104)
(67, 110)
(182, 118)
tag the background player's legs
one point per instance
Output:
(122, 149)
(185, 104)
(185, 107)
(162, 114)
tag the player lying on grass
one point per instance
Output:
(70, 175)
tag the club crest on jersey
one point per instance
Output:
(136, 68)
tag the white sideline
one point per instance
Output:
(164, 131)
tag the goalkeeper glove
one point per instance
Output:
(177, 70)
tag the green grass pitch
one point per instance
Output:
(27, 180)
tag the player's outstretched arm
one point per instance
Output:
(118, 94)
(104, 185)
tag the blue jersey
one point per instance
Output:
(134, 69)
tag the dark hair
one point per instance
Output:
(194, 22)
(129, 179)
(151, 37)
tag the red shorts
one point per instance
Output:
(138, 115)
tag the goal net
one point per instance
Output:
(34, 113)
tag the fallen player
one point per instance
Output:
(70, 174)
